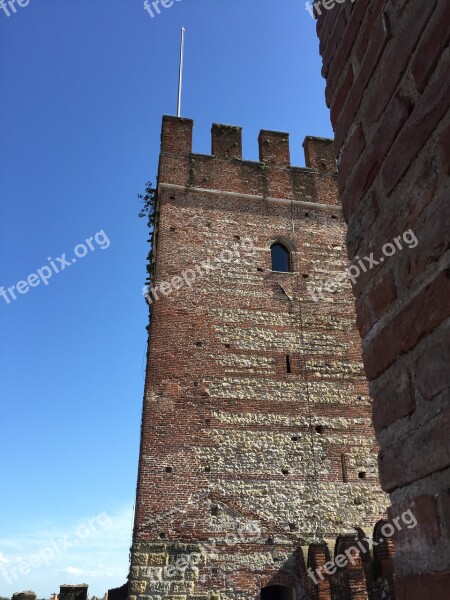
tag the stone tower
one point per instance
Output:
(256, 427)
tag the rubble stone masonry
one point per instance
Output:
(243, 464)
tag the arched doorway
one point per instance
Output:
(277, 592)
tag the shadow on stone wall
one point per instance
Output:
(358, 569)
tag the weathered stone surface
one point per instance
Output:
(24, 596)
(387, 65)
(73, 592)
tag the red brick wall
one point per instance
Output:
(387, 66)
(228, 436)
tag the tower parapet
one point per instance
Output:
(225, 170)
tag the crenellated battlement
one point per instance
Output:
(225, 170)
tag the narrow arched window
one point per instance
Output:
(281, 258)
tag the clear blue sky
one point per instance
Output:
(84, 86)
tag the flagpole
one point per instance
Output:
(180, 74)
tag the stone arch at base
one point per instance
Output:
(281, 579)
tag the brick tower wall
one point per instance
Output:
(242, 462)
(387, 65)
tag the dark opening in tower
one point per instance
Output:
(277, 592)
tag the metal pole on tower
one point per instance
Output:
(180, 75)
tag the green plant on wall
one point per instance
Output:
(148, 199)
(148, 211)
